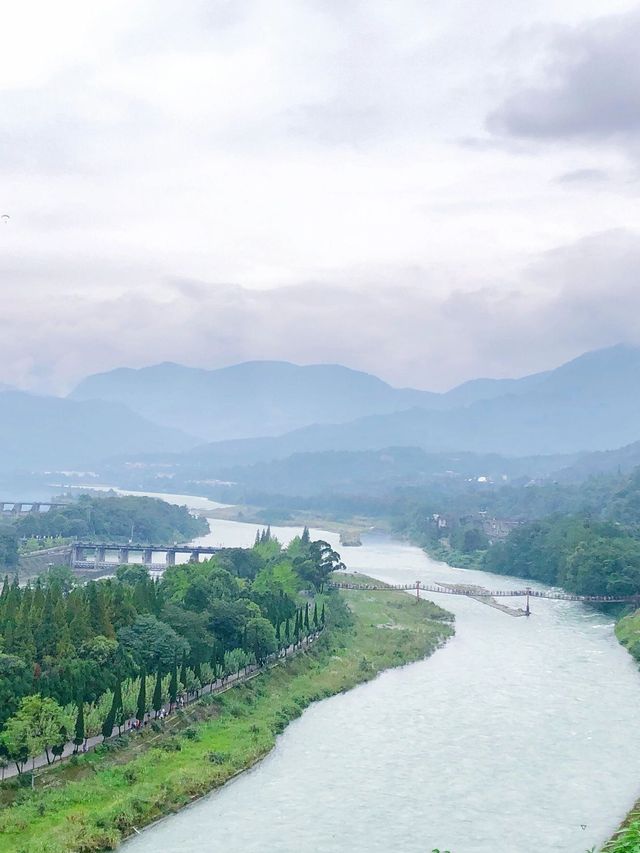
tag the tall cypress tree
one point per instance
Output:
(306, 618)
(109, 722)
(287, 632)
(121, 719)
(79, 735)
(297, 628)
(110, 719)
(315, 615)
(157, 694)
(173, 684)
(214, 663)
(117, 695)
(322, 615)
(142, 697)
(183, 671)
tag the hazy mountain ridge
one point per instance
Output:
(250, 399)
(41, 433)
(268, 398)
(588, 404)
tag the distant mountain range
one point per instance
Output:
(261, 411)
(590, 403)
(49, 433)
(269, 398)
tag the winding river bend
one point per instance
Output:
(520, 736)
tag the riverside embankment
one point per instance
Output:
(495, 744)
(103, 797)
(626, 837)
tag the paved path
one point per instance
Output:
(219, 686)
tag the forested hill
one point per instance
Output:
(115, 519)
(582, 537)
(580, 555)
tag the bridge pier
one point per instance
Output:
(170, 558)
(123, 556)
(99, 556)
(147, 557)
(195, 557)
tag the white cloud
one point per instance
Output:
(308, 156)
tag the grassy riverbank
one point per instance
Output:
(91, 804)
(297, 518)
(627, 838)
(628, 633)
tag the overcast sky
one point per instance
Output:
(429, 191)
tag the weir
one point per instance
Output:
(92, 556)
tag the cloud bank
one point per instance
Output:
(429, 192)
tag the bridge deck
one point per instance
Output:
(137, 546)
(475, 593)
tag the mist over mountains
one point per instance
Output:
(268, 398)
(258, 412)
(47, 433)
(588, 404)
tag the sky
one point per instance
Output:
(427, 191)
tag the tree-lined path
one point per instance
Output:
(220, 685)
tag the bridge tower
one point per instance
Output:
(417, 590)
(527, 611)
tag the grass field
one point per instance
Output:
(92, 803)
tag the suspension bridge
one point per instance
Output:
(481, 593)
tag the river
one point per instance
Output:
(520, 736)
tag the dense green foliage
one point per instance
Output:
(115, 518)
(584, 537)
(91, 803)
(585, 557)
(76, 644)
(8, 546)
(613, 497)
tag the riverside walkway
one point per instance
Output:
(221, 685)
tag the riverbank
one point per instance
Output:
(627, 838)
(100, 798)
(296, 518)
(627, 630)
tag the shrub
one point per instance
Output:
(217, 757)
(191, 733)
